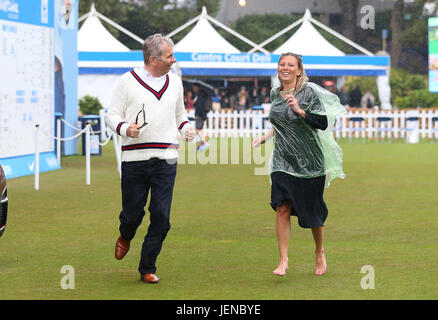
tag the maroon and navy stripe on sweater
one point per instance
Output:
(150, 145)
(118, 128)
(158, 94)
(182, 125)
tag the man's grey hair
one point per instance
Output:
(152, 46)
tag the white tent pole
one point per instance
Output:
(238, 35)
(185, 25)
(275, 36)
(133, 36)
(92, 12)
(85, 16)
(340, 36)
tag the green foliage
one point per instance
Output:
(258, 28)
(422, 98)
(414, 25)
(135, 21)
(410, 90)
(89, 105)
(113, 9)
(147, 17)
(212, 6)
(364, 83)
(403, 83)
(416, 36)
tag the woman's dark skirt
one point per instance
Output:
(305, 196)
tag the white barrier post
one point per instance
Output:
(87, 154)
(37, 159)
(103, 133)
(117, 151)
(58, 140)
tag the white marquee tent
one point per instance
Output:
(204, 52)
(307, 41)
(204, 38)
(94, 38)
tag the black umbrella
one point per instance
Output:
(205, 87)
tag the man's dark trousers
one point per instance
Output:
(138, 178)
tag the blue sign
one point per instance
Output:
(39, 56)
(35, 12)
(25, 165)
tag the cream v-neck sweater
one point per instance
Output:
(164, 111)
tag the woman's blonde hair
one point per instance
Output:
(302, 78)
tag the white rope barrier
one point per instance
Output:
(72, 137)
(105, 143)
(96, 133)
(58, 139)
(71, 126)
(88, 131)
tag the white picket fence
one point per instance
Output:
(356, 123)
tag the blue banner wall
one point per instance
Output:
(25, 165)
(39, 67)
(66, 70)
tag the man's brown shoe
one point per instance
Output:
(122, 248)
(149, 278)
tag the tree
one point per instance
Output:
(396, 32)
(89, 105)
(258, 28)
(146, 20)
(349, 18)
(146, 17)
(409, 36)
(113, 9)
(212, 6)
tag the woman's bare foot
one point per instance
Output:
(282, 268)
(321, 264)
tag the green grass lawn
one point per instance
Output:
(222, 244)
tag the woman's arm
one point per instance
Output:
(316, 121)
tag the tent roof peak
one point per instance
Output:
(204, 16)
(307, 14)
(308, 19)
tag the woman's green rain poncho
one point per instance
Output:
(299, 149)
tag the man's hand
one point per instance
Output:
(133, 130)
(190, 134)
